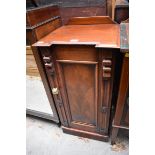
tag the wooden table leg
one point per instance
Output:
(114, 135)
(123, 89)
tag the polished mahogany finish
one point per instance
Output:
(121, 118)
(40, 21)
(100, 35)
(79, 61)
(41, 14)
(90, 20)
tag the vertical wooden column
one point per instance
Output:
(123, 89)
(109, 8)
(41, 69)
(113, 9)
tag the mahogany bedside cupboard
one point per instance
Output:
(79, 59)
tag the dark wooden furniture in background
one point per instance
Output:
(79, 61)
(121, 118)
(31, 4)
(72, 8)
(41, 21)
(121, 10)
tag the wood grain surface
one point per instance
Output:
(100, 35)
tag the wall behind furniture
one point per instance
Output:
(70, 3)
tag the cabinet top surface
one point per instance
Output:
(99, 35)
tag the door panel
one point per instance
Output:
(77, 67)
(81, 94)
(80, 80)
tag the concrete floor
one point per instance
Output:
(36, 98)
(46, 138)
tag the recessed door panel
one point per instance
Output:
(80, 82)
(80, 87)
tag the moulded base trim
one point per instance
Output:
(85, 134)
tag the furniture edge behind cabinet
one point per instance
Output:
(121, 118)
(41, 21)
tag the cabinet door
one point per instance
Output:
(79, 71)
(80, 83)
